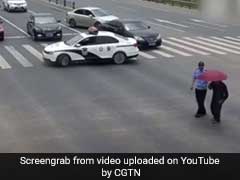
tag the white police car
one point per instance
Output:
(98, 46)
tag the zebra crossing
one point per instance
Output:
(172, 47)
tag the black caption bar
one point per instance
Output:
(108, 166)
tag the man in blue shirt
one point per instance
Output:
(200, 89)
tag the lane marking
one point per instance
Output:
(212, 45)
(170, 22)
(163, 54)
(18, 56)
(175, 51)
(186, 48)
(33, 51)
(44, 44)
(219, 43)
(225, 40)
(205, 22)
(164, 26)
(206, 26)
(197, 46)
(235, 39)
(12, 24)
(145, 55)
(4, 64)
(69, 34)
(15, 37)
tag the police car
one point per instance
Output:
(88, 46)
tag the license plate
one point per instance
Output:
(152, 44)
(49, 35)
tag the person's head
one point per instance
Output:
(201, 65)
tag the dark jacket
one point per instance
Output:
(220, 91)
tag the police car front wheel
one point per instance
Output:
(63, 60)
(119, 58)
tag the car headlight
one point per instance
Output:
(159, 36)
(138, 38)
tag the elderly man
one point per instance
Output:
(200, 89)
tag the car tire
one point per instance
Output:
(72, 23)
(63, 60)
(119, 58)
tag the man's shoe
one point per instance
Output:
(198, 115)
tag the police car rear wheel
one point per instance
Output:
(119, 58)
(63, 60)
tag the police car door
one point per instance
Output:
(87, 48)
(106, 46)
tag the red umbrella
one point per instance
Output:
(213, 75)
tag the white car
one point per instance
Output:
(88, 16)
(88, 47)
(15, 5)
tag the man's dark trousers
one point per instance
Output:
(200, 97)
(216, 109)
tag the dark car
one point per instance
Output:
(44, 26)
(136, 29)
(1, 30)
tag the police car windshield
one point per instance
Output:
(100, 13)
(45, 20)
(134, 26)
(73, 40)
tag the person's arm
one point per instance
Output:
(225, 92)
(193, 82)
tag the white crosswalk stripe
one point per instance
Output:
(235, 39)
(4, 64)
(212, 45)
(18, 56)
(219, 43)
(225, 40)
(145, 55)
(175, 51)
(186, 48)
(33, 51)
(163, 54)
(197, 46)
(44, 44)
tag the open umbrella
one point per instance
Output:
(213, 75)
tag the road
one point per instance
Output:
(145, 106)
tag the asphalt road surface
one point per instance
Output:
(146, 106)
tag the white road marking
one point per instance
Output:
(18, 56)
(15, 37)
(186, 48)
(219, 43)
(69, 34)
(33, 51)
(164, 26)
(175, 51)
(197, 46)
(205, 22)
(206, 26)
(172, 23)
(12, 24)
(163, 54)
(225, 40)
(4, 64)
(212, 45)
(44, 44)
(145, 55)
(70, 28)
(235, 39)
